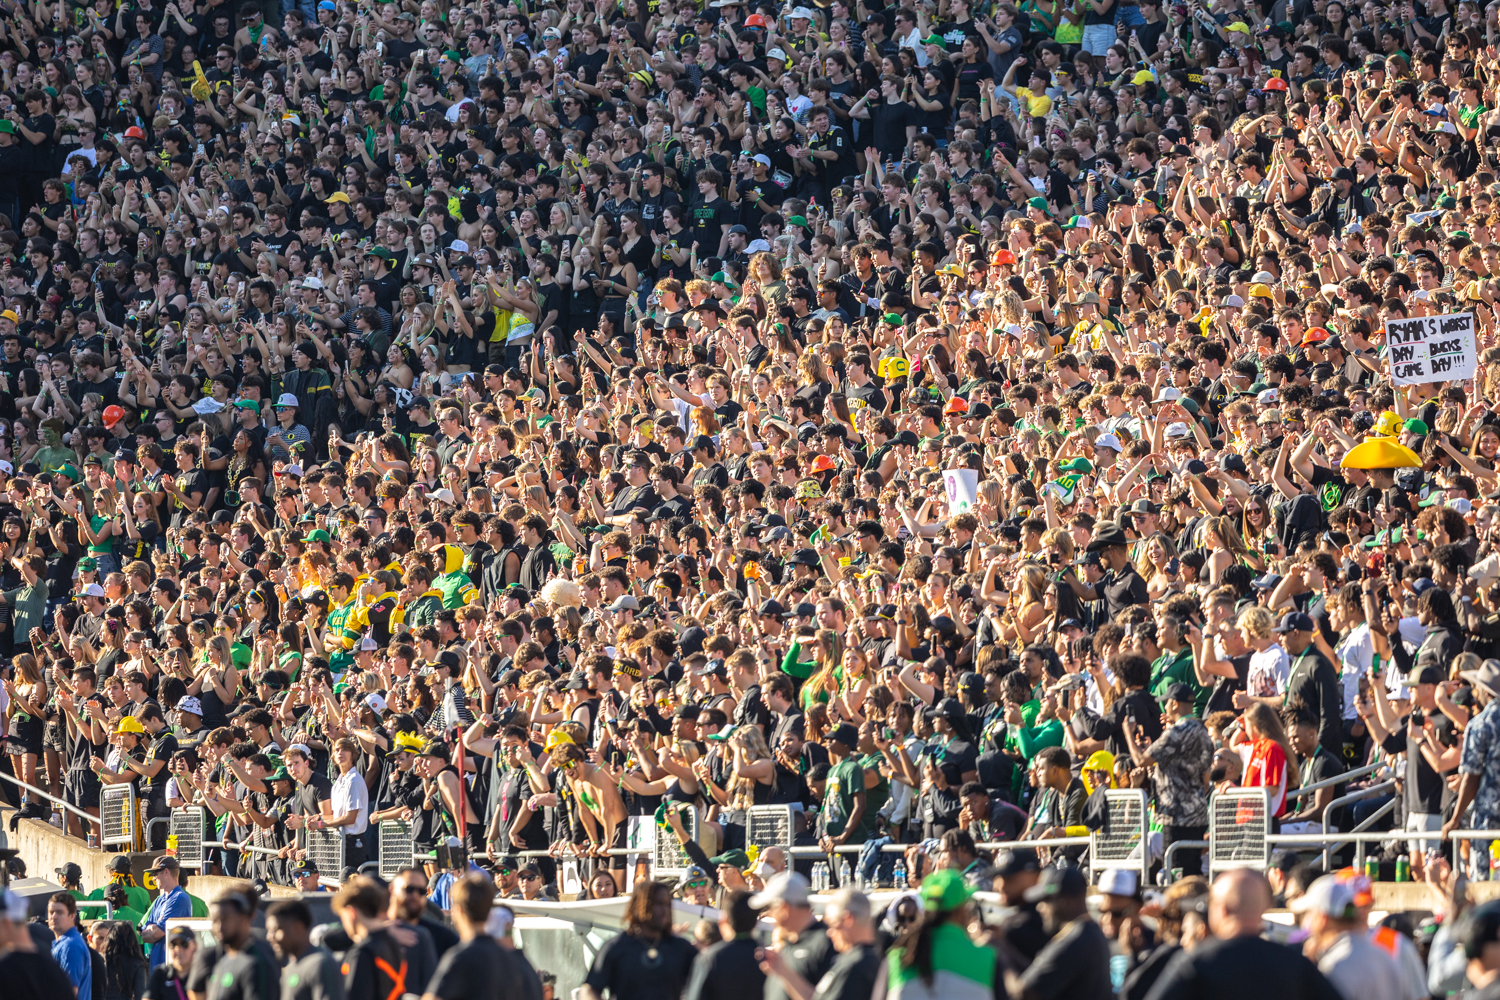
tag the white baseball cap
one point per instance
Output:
(1328, 896)
(1119, 881)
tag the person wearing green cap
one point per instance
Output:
(934, 957)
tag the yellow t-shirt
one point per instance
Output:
(1037, 105)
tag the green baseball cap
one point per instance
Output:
(734, 858)
(945, 891)
(318, 535)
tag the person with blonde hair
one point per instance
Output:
(1266, 678)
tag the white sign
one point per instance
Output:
(962, 486)
(1431, 349)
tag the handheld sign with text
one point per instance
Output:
(1431, 349)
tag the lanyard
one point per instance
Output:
(1293, 673)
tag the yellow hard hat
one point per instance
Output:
(1388, 425)
(1101, 760)
(556, 738)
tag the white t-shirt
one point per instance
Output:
(1268, 673)
(913, 41)
(349, 792)
(1356, 653)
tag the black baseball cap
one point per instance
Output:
(1057, 882)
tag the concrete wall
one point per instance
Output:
(44, 848)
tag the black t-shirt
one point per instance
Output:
(852, 976)
(1074, 965)
(317, 789)
(251, 974)
(33, 976)
(163, 984)
(729, 970)
(188, 483)
(708, 220)
(1124, 589)
(163, 746)
(633, 969)
(888, 126)
(482, 970)
(770, 193)
(1242, 968)
(811, 956)
(1424, 788)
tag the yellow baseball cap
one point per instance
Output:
(1261, 290)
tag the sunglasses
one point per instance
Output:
(531, 878)
(697, 883)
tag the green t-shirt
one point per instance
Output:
(1169, 668)
(106, 547)
(846, 779)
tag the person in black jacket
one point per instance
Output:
(729, 970)
(1239, 964)
(376, 967)
(1133, 674)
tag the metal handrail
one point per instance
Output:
(250, 848)
(1354, 796)
(1338, 779)
(85, 817)
(1379, 836)
(1166, 856)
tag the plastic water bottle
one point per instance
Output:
(817, 876)
(846, 875)
(900, 873)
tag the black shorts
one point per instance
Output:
(619, 841)
(52, 736)
(81, 789)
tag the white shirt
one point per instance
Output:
(913, 41)
(349, 792)
(1359, 970)
(1356, 653)
(1268, 673)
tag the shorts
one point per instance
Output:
(52, 736)
(1423, 823)
(1097, 38)
(81, 789)
(619, 842)
(25, 737)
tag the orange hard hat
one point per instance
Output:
(134, 132)
(1001, 257)
(822, 464)
(1275, 83)
(755, 21)
(113, 415)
